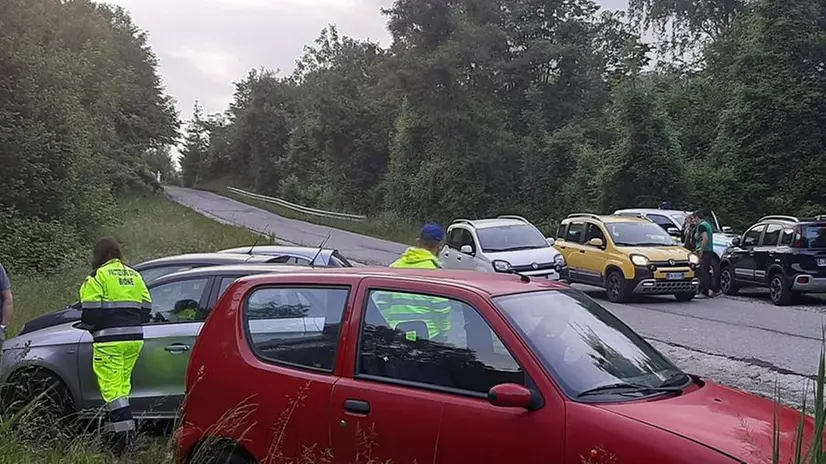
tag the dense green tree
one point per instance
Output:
(772, 130)
(80, 105)
(539, 107)
(644, 164)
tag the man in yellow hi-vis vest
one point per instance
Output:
(115, 302)
(404, 307)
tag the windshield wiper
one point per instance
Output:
(630, 388)
(675, 379)
(521, 248)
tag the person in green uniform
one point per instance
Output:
(114, 304)
(704, 236)
(435, 312)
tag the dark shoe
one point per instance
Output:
(121, 443)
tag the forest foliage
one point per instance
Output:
(539, 107)
(83, 117)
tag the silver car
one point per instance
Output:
(327, 257)
(58, 359)
(503, 244)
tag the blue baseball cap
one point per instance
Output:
(432, 232)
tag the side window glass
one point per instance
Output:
(787, 238)
(178, 301)
(225, 283)
(751, 237)
(297, 326)
(661, 221)
(772, 235)
(453, 238)
(289, 260)
(560, 232)
(435, 341)
(593, 231)
(157, 272)
(576, 232)
(466, 239)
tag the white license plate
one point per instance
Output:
(821, 262)
(674, 276)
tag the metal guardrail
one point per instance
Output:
(298, 208)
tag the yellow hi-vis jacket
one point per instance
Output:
(399, 307)
(114, 302)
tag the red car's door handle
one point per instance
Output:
(357, 406)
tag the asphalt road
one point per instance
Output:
(743, 341)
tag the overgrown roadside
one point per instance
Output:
(149, 226)
(387, 226)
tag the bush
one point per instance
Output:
(29, 244)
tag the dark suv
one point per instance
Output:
(784, 253)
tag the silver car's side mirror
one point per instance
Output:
(550, 241)
(466, 249)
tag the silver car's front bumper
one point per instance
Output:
(550, 274)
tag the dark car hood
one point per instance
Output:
(731, 421)
(61, 316)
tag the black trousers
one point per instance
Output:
(708, 274)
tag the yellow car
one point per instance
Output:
(626, 256)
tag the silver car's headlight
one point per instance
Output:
(500, 265)
(559, 260)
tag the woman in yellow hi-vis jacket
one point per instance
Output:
(115, 302)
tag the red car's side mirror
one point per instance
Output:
(511, 395)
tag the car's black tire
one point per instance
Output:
(728, 285)
(780, 292)
(685, 296)
(42, 400)
(616, 288)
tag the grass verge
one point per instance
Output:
(150, 226)
(385, 225)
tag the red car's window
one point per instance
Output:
(434, 341)
(295, 325)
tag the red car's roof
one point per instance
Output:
(492, 283)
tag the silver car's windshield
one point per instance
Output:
(582, 344)
(510, 238)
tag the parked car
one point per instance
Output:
(626, 255)
(504, 244)
(787, 254)
(327, 257)
(150, 270)
(60, 357)
(531, 371)
(672, 221)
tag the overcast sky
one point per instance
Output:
(206, 45)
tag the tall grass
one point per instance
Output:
(150, 226)
(804, 451)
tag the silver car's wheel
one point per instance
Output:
(41, 398)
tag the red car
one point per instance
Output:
(333, 366)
